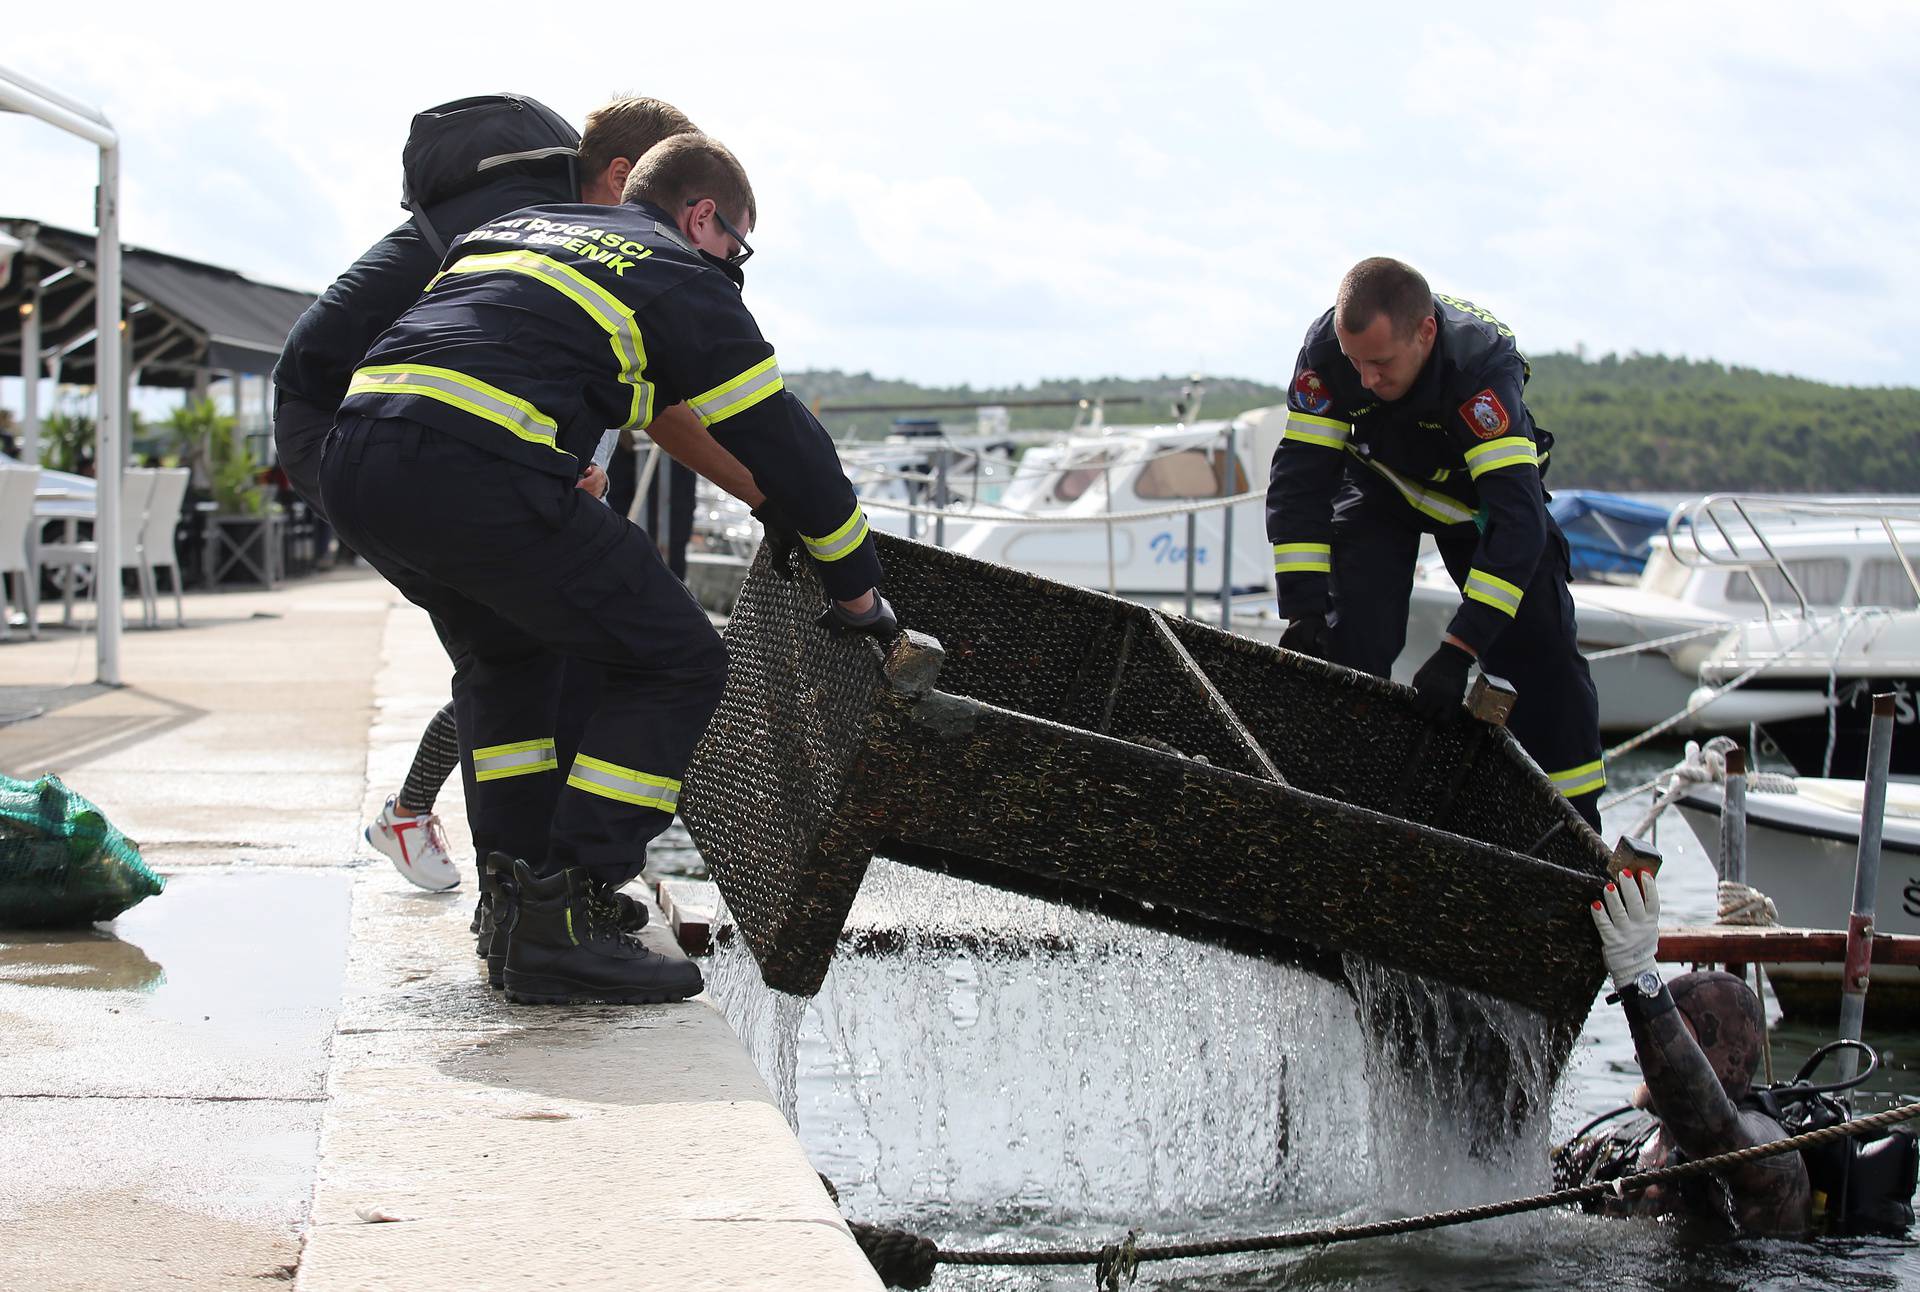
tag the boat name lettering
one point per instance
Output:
(1168, 552)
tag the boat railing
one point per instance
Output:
(1741, 522)
(939, 508)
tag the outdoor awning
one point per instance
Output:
(186, 316)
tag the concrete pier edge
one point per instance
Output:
(475, 1144)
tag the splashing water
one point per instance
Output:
(1016, 1061)
(997, 1072)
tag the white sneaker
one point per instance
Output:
(417, 847)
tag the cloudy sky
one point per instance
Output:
(999, 192)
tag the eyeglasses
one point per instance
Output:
(745, 253)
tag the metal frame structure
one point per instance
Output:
(20, 94)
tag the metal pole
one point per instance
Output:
(940, 495)
(1193, 518)
(112, 423)
(1732, 861)
(30, 369)
(1106, 509)
(129, 378)
(637, 510)
(1227, 473)
(1866, 883)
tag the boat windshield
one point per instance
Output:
(1189, 473)
(1080, 473)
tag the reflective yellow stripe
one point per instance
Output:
(1508, 451)
(740, 393)
(1322, 431)
(1428, 502)
(1587, 778)
(842, 541)
(469, 394)
(524, 758)
(1496, 592)
(606, 310)
(623, 784)
(1302, 558)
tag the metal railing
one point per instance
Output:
(936, 483)
(1736, 518)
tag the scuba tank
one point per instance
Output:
(1862, 1184)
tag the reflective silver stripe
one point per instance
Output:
(1495, 592)
(606, 309)
(842, 540)
(1447, 510)
(623, 784)
(497, 762)
(1512, 451)
(740, 393)
(1302, 558)
(469, 394)
(1326, 432)
(1584, 779)
(531, 154)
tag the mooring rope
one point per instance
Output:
(907, 1260)
(1666, 724)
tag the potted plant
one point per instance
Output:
(242, 508)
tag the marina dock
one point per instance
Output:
(289, 1067)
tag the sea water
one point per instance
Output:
(1018, 1075)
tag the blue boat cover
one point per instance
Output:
(1607, 533)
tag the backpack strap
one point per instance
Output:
(427, 231)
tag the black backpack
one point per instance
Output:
(463, 144)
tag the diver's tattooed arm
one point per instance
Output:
(1771, 1195)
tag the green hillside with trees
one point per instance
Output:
(1639, 422)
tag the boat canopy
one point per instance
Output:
(1607, 533)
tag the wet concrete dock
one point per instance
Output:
(288, 1066)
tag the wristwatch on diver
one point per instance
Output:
(1647, 992)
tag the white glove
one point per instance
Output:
(1629, 923)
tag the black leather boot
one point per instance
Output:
(567, 945)
(494, 915)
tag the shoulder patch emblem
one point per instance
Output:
(1310, 394)
(1486, 416)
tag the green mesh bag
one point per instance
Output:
(61, 860)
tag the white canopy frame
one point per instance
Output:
(19, 94)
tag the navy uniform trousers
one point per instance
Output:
(300, 431)
(521, 571)
(1556, 717)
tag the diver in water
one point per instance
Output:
(1699, 1040)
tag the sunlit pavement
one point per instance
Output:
(288, 1066)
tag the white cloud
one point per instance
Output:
(1012, 190)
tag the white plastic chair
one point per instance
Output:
(136, 487)
(16, 522)
(157, 551)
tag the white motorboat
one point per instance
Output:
(1772, 566)
(1801, 849)
(1813, 681)
(1105, 511)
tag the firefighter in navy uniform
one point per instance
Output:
(543, 327)
(1406, 417)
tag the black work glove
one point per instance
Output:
(781, 536)
(878, 620)
(1308, 635)
(1440, 687)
